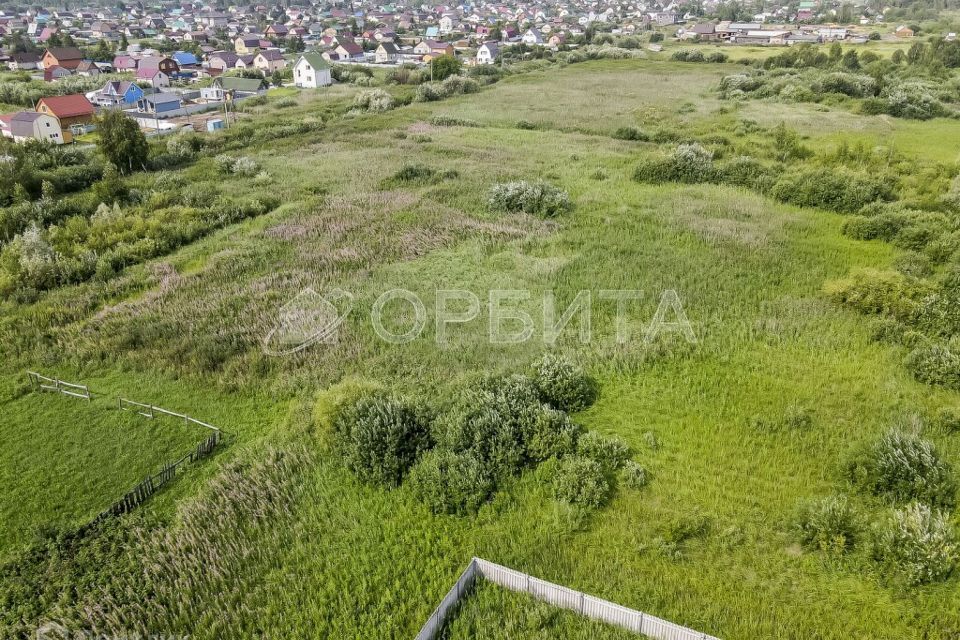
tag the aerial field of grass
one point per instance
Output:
(275, 538)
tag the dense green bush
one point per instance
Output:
(744, 171)
(450, 482)
(535, 198)
(904, 467)
(422, 174)
(689, 163)
(380, 437)
(494, 422)
(562, 384)
(882, 292)
(374, 100)
(918, 543)
(631, 133)
(935, 363)
(609, 451)
(580, 482)
(634, 475)
(554, 435)
(835, 189)
(829, 524)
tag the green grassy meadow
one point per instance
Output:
(302, 548)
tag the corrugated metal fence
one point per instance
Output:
(558, 595)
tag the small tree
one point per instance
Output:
(122, 142)
(445, 66)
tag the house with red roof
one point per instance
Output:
(70, 110)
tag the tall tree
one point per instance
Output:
(122, 142)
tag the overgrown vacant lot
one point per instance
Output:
(275, 538)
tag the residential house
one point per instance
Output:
(118, 93)
(532, 37)
(220, 62)
(244, 62)
(386, 52)
(30, 125)
(487, 53)
(24, 61)
(124, 63)
(56, 72)
(72, 111)
(277, 31)
(433, 48)
(311, 71)
(88, 69)
(159, 104)
(245, 45)
(269, 61)
(185, 59)
(154, 76)
(66, 57)
(229, 86)
(903, 31)
(348, 51)
(165, 64)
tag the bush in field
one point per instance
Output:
(450, 482)
(744, 171)
(829, 524)
(535, 198)
(451, 121)
(609, 451)
(834, 189)
(689, 163)
(882, 292)
(495, 422)
(935, 364)
(631, 133)
(634, 475)
(381, 437)
(918, 543)
(375, 100)
(904, 467)
(580, 482)
(554, 435)
(423, 174)
(562, 384)
(913, 100)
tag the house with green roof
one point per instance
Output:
(312, 71)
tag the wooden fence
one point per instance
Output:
(44, 383)
(151, 484)
(558, 595)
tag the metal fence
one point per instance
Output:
(60, 386)
(558, 595)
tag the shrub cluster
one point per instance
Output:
(918, 543)
(491, 432)
(454, 85)
(535, 198)
(689, 163)
(422, 174)
(374, 100)
(903, 467)
(828, 525)
(380, 437)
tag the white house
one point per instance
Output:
(311, 71)
(386, 52)
(31, 125)
(532, 36)
(487, 53)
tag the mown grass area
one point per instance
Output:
(493, 612)
(290, 543)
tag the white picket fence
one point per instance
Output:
(558, 595)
